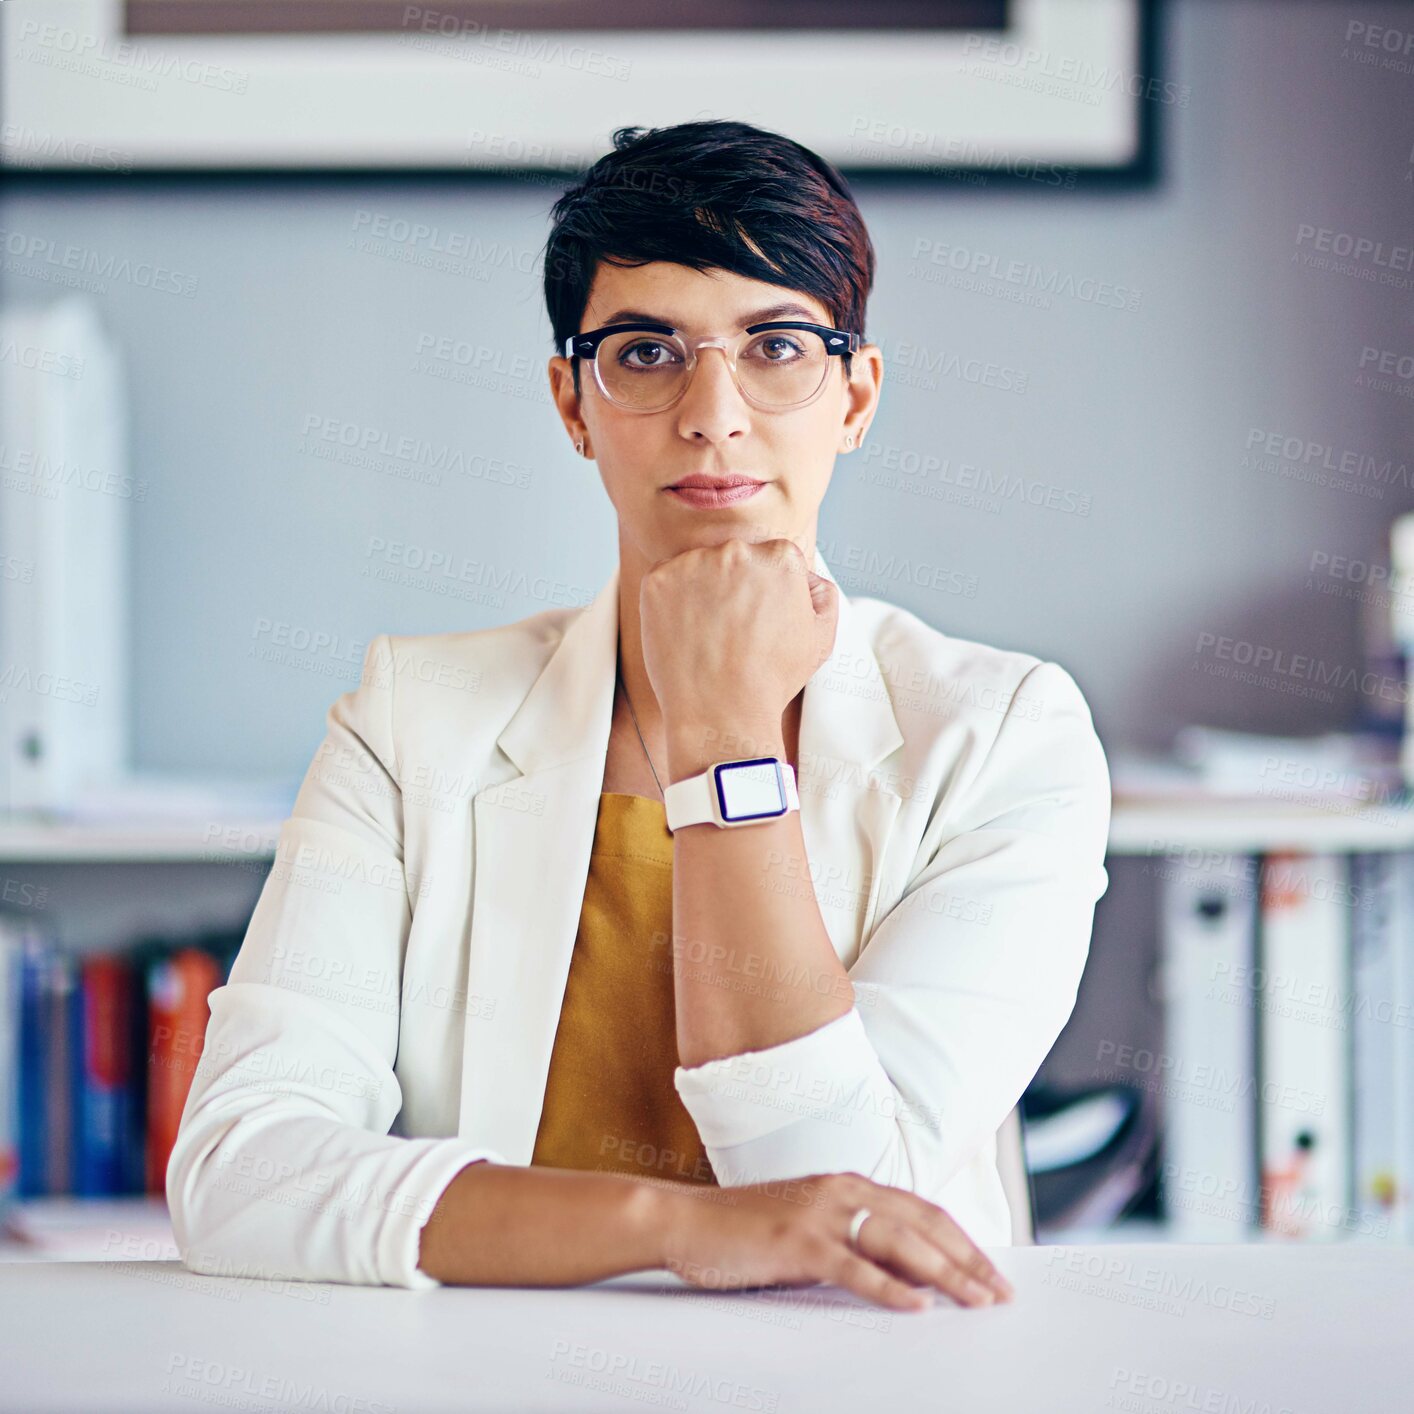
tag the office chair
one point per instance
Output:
(1011, 1165)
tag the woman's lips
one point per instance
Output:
(710, 498)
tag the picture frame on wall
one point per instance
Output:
(1046, 92)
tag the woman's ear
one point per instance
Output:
(562, 390)
(862, 394)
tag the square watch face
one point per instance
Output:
(750, 790)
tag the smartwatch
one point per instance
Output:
(730, 793)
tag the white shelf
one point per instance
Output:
(1136, 828)
(178, 842)
(1253, 827)
(71, 1229)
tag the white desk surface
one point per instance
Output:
(1146, 1328)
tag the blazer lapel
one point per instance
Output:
(534, 833)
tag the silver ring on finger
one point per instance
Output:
(861, 1216)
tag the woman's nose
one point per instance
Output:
(713, 404)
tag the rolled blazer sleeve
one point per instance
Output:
(284, 1164)
(960, 991)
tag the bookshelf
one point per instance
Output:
(48, 848)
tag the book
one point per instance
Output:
(11, 956)
(61, 1071)
(104, 1050)
(104, 1077)
(178, 1012)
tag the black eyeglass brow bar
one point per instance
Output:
(837, 341)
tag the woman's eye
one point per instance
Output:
(656, 356)
(779, 348)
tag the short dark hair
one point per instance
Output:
(711, 194)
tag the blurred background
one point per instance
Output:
(273, 361)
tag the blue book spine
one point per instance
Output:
(34, 1041)
(100, 1089)
(10, 953)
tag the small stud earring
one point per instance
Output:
(579, 445)
(849, 442)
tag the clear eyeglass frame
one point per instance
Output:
(837, 343)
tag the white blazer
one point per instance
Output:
(392, 1010)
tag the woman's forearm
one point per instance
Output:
(764, 971)
(504, 1225)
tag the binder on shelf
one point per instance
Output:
(1402, 1025)
(1379, 1101)
(63, 631)
(1208, 942)
(1304, 1045)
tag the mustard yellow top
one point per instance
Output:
(610, 1103)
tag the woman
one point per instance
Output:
(714, 926)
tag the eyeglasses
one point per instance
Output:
(775, 366)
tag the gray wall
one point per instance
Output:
(1143, 415)
(1140, 415)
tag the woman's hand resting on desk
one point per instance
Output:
(797, 1234)
(507, 1225)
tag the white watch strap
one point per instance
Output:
(693, 801)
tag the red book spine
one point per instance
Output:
(177, 1018)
